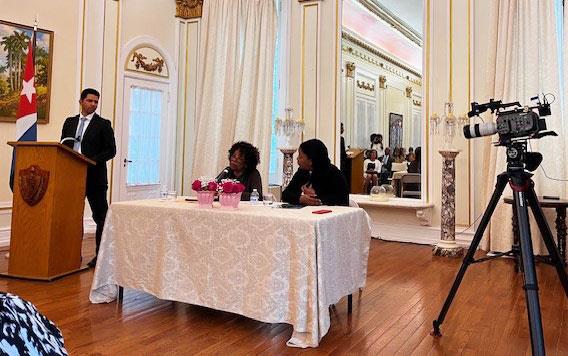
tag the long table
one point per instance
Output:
(271, 264)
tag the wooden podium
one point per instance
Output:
(47, 210)
(357, 157)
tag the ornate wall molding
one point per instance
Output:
(416, 103)
(382, 81)
(364, 85)
(388, 63)
(350, 70)
(139, 61)
(409, 92)
(189, 9)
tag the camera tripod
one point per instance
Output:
(524, 196)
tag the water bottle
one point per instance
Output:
(254, 197)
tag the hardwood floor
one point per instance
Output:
(405, 290)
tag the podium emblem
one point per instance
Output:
(33, 184)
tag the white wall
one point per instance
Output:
(89, 38)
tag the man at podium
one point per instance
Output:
(92, 136)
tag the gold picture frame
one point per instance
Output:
(13, 44)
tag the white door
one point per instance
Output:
(143, 135)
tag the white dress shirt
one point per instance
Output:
(87, 122)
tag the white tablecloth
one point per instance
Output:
(270, 264)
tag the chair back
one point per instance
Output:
(410, 185)
(397, 167)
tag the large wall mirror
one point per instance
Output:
(381, 95)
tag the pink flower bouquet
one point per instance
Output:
(206, 189)
(231, 186)
(204, 184)
(230, 193)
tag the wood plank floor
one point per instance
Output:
(405, 290)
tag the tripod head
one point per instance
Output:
(518, 159)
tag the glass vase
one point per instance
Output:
(230, 200)
(205, 198)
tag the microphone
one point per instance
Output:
(224, 174)
(478, 130)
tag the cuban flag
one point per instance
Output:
(26, 122)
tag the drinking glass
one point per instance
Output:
(267, 199)
(172, 195)
(164, 193)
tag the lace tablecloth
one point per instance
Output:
(270, 264)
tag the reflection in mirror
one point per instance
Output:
(381, 95)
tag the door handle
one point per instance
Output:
(126, 161)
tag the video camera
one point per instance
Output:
(518, 123)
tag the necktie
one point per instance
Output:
(79, 136)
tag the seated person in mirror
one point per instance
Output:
(371, 170)
(398, 155)
(415, 165)
(377, 144)
(317, 181)
(243, 159)
(386, 166)
(410, 156)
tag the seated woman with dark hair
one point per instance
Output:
(415, 166)
(243, 159)
(317, 181)
(371, 170)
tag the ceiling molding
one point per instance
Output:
(351, 37)
(390, 18)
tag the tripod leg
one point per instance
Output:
(531, 283)
(502, 180)
(547, 237)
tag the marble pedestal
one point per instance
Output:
(287, 166)
(447, 245)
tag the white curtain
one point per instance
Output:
(523, 62)
(235, 81)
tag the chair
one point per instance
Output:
(410, 185)
(398, 167)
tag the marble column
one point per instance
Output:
(447, 245)
(287, 166)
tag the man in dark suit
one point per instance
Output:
(386, 167)
(93, 137)
(344, 163)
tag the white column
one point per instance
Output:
(349, 102)
(382, 108)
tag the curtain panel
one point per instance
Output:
(524, 62)
(236, 64)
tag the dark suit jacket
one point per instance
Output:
(97, 144)
(329, 184)
(387, 166)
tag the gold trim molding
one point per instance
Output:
(382, 81)
(189, 9)
(408, 92)
(139, 61)
(416, 102)
(364, 85)
(350, 70)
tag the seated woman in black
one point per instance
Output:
(243, 159)
(317, 181)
